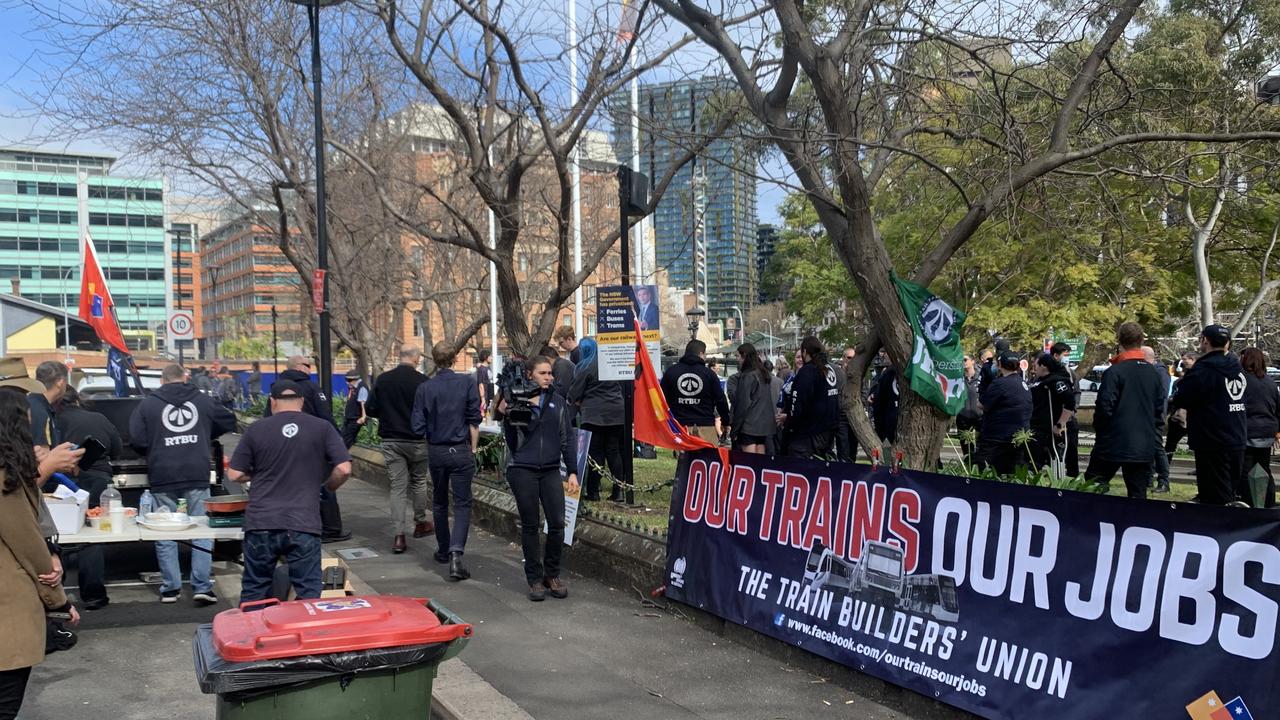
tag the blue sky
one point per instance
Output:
(22, 67)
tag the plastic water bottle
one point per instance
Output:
(182, 506)
(145, 504)
(108, 501)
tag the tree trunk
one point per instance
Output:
(1199, 239)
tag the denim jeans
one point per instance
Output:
(452, 469)
(201, 550)
(262, 548)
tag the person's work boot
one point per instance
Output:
(615, 495)
(556, 587)
(423, 529)
(1162, 486)
(537, 593)
(399, 545)
(456, 570)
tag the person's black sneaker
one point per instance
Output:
(204, 599)
(537, 593)
(340, 537)
(1162, 487)
(456, 569)
(442, 557)
(170, 596)
(96, 604)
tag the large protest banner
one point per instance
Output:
(1008, 601)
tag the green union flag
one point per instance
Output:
(936, 371)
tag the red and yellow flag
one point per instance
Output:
(654, 423)
(96, 307)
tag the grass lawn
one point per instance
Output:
(653, 494)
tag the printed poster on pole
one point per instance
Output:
(618, 308)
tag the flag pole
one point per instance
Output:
(576, 159)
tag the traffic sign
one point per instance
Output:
(182, 325)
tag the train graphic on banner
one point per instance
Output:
(878, 575)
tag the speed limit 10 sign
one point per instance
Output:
(182, 325)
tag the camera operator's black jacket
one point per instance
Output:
(548, 440)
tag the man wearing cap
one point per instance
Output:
(1127, 416)
(1006, 409)
(446, 411)
(353, 415)
(1062, 353)
(174, 427)
(287, 456)
(1212, 393)
(315, 403)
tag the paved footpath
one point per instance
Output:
(600, 653)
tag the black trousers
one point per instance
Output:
(808, 446)
(350, 431)
(91, 566)
(1174, 436)
(452, 469)
(1045, 446)
(1218, 471)
(13, 687)
(1003, 457)
(846, 440)
(607, 445)
(1137, 475)
(1262, 458)
(1072, 459)
(534, 490)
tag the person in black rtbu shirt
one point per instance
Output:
(694, 394)
(1212, 392)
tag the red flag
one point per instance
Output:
(654, 423)
(96, 307)
(627, 24)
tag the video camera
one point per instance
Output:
(518, 390)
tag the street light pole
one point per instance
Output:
(213, 293)
(742, 323)
(769, 324)
(322, 233)
(177, 279)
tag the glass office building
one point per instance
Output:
(705, 227)
(39, 234)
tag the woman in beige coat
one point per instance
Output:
(24, 558)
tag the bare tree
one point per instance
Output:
(850, 93)
(500, 100)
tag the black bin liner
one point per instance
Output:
(216, 675)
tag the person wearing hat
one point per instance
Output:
(1127, 416)
(317, 405)
(287, 456)
(353, 415)
(1212, 392)
(1006, 409)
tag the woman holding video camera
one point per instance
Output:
(538, 424)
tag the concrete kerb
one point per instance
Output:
(627, 559)
(458, 692)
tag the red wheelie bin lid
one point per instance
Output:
(331, 625)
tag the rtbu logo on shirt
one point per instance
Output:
(1235, 391)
